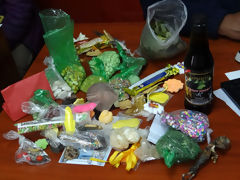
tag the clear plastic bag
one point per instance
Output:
(160, 36)
(41, 105)
(60, 88)
(88, 140)
(193, 123)
(146, 151)
(121, 138)
(28, 151)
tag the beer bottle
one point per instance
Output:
(199, 65)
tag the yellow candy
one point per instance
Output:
(69, 122)
(106, 116)
(159, 97)
(134, 122)
(79, 101)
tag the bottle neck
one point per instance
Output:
(199, 39)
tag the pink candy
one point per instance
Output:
(84, 107)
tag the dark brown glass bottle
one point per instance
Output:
(199, 67)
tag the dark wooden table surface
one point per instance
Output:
(223, 121)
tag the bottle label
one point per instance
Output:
(198, 87)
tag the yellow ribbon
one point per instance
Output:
(127, 156)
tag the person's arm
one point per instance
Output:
(18, 15)
(230, 26)
(211, 8)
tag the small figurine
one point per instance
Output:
(221, 142)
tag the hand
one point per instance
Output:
(230, 26)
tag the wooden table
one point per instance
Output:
(222, 120)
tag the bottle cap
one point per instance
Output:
(199, 20)
(237, 57)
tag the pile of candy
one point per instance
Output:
(87, 130)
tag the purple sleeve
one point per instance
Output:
(18, 16)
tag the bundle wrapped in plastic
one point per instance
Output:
(176, 147)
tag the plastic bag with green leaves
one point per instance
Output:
(176, 147)
(160, 36)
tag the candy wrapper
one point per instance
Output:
(89, 140)
(119, 85)
(91, 47)
(28, 151)
(193, 123)
(39, 125)
(151, 80)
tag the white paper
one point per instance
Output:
(233, 75)
(222, 95)
(157, 130)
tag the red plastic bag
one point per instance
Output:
(21, 91)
